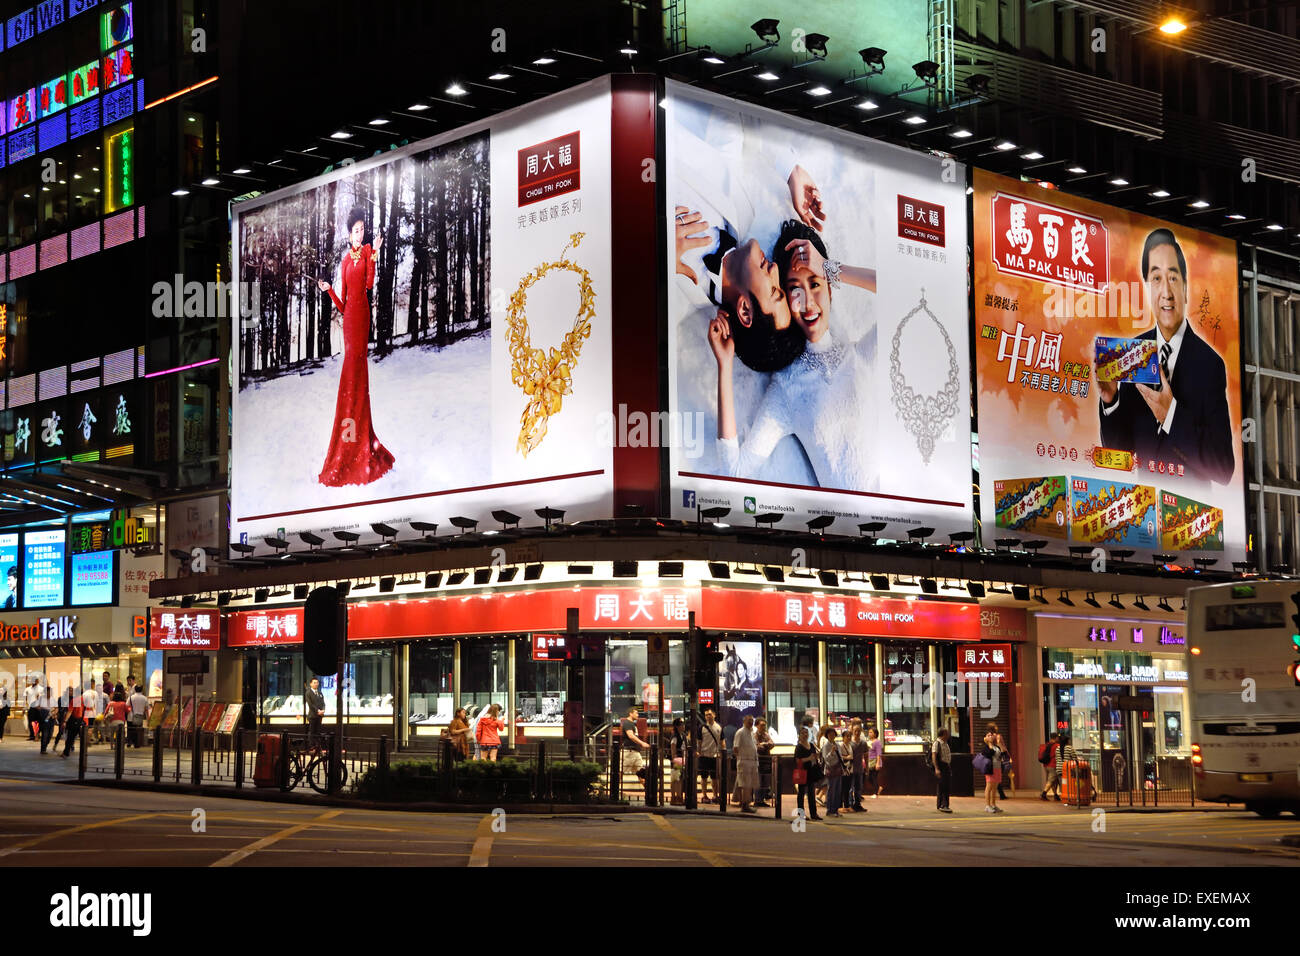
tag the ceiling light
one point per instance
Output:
(1161, 194)
(1172, 26)
(498, 76)
(868, 105)
(768, 75)
(628, 51)
(1274, 227)
(914, 120)
(241, 171)
(961, 134)
(1032, 154)
(819, 91)
(180, 192)
(340, 134)
(456, 89)
(1199, 204)
(379, 121)
(1005, 145)
(1077, 170)
(544, 61)
(211, 181)
(1235, 215)
(714, 59)
(1119, 181)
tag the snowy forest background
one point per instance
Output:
(431, 281)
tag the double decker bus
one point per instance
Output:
(1244, 640)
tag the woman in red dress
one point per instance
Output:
(355, 455)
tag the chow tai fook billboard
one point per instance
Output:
(1108, 369)
(817, 321)
(433, 330)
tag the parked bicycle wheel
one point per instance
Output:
(319, 775)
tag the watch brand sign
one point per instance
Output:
(62, 628)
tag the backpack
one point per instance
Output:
(1047, 752)
(928, 757)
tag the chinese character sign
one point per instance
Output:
(985, 662)
(184, 629)
(1109, 375)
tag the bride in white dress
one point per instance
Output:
(823, 397)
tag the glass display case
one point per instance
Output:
(907, 717)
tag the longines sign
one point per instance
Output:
(62, 628)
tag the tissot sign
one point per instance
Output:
(1043, 242)
(61, 628)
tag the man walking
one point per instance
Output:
(942, 759)
(1064, 751)
(633, 762)
(90, 706)
(76, 721)
(746, 750)
(30, 696)
(43, 724)
(1051, 777)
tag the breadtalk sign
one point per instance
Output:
(62, 628)
(1050, 244)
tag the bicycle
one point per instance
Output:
(314, 766)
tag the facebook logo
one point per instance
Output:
(243, 537)
(688, 499)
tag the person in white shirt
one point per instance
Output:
(139, 704)
(40, 716)
(746, 750)
(91, 707)
(712, 746)
(30, 696)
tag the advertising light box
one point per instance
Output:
(43, 569)
(817, 322)
(92, 578)
(487, 373)
(9, 571)
(1109, 376)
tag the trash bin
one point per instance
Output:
(266, 772)
(1077, 783)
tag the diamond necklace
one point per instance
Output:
(925, 416)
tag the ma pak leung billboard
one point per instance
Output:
(432, 330)
(1108, 368)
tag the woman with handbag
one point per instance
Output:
(458, 732)
(991, 763)
(833, 760)
(806, 773)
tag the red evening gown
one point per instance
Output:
(355, 455)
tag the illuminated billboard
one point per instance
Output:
(439, 344)
(817, 322)
(1109, 375)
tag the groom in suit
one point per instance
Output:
(1185, 421)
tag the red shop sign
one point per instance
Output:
(184, 630)
(548, 647)
(270, 626)
(723, 609)
(985, 662)
(1050, 244)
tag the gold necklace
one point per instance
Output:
(546, 377)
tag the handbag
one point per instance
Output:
(981, 763)
(800, 776)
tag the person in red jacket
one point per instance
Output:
(489, 733)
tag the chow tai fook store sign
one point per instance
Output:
(623, 609)
(184, 630)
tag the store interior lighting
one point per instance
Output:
(581, 569)
(1091, 600)
(464, 524)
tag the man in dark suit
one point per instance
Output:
(1185, 421)
(314, 701)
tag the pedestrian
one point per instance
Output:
(139, 706)
(806, 772)
(115, 716)
(763, 740)
(1051, 778)
(941, 757)
(1064, 751)
(105, 696)
(314, 701)
(30, 696)
(858, 748)
(76, 722)
(633, 761)
(4, 707)
(489, 733)
(746, 750)
(42, 720)
(875, 763)
(846, 757)
(61, 714)
(711, 748)
(834, 762)
(458, 733)
(677, 753)
(90, 706)
(992, 769)
(1004, 760)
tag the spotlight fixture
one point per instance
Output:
(1091, 600)
(549, 515)
(313, 541)
(482, 575)
(961, 134)
(507, 574)
(961, 539)
(506, 519)
(975, 588)
(1199, 204)
(180, 192)
(1119, 181)
(1164, 605)
(1038, 596)
(870, 529)
(927, 71)
(815, 44)
(880, 582)
(432, 580)
(821, 522)
(1273, 227)
(385, 531)
(1160, 194)
(455, 89)
(720, 570)
(773, 574)
(187, 601)
(1205, 564)
(929, 586)
(767, 75)
(766, 30)
(1172, 26)
(241, 171)
(223, 598)
(580, 569)
(1019, 592)
(1140, 604)
(1032, 155)
(349, 538)
(364, 585)
(1005, 145)
(819, 91)
(260, 595)
(768, 518)
(544, 60)
(464, 524)
(386, 584)
(868, 105)
(708, 56)
(923, 533)
(829, 578)
(457, 577)
(978, 83)
(1159, 559)
(532, 572)
(752, 572)
(340, 134)
(873, 58)
(627, 50)
(914, 120)
(498, 76)
(1064, 598)
(670, 569)
(419, 107)
(625, 569)
(344, 588)
(300, 592)
(211, 181)
(378, 121)
(1076, 170)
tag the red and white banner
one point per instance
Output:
(270, 626)
(990, 662)
(184, 630)
(1037, 241)
(723, 609)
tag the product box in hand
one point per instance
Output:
(1187, 525)
(1032, 505)
(1127, 360)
